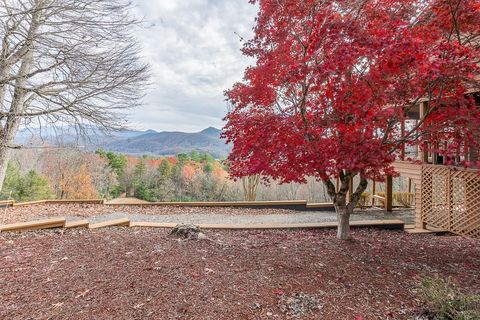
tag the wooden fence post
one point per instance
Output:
(389, 194)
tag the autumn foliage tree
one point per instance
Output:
(334, 80)
(74, 174)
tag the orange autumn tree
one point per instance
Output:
(73, 174)
(80, 185)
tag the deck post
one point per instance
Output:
(402, 148)
(373, 192)
(422, 155)
(389, 194)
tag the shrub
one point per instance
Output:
(403, 198)
(399, 198)
(445, 302)
(144, 193)
(28, 187)
(364, 200)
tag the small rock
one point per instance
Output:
(300, 304)
(208, 270)
(202, 236)
(186, 231)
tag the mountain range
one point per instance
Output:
(133, 142)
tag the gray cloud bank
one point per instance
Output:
(194, 52)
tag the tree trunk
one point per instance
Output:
(19, 101)
(342, 208)
(4, 157)
(343, 219)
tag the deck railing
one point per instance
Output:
(451, 199)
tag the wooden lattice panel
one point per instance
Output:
(451, 199)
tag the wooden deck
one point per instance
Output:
(414, 172)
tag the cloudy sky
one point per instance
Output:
(194, 52)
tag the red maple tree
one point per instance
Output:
(334, 81)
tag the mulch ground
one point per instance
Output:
(31, 212)
(117, 273)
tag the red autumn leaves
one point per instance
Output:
(333, 81)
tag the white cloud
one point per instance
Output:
(194, 52)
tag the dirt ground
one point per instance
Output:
(125, 273)
(27, 213)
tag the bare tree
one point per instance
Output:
(66, 63)
(250, 186)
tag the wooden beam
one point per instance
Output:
(20, 204)
(150, 224)
(34, 225)
(122, 222)
(320, 205)
(423, 231)
(384, 224)
(389, 193)
(220, 203)
(76, 224)
(74, 201)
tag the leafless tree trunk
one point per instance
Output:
(343, 208)
(250, 186)
(66, 63)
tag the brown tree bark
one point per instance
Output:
(339, 197)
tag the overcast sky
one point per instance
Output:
(194, 54)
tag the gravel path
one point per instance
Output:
(194, 215)
(195, 218)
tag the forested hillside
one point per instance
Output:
(69, 173)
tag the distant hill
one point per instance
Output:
(170, 143)
(134, 142)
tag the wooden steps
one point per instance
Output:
(320, 205)
(125, 222)
(383, 224)
(34, 225)
(425, 231)
(76, 224)
(28, 203)
(286, 203)
(82, 201)
(418, 231)
(6, 203)
(150, 224)
(122, 222)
